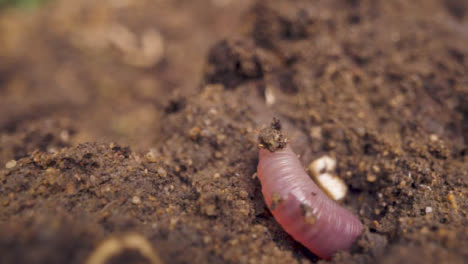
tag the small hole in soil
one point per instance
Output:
(464, 152)
(369, 149)
(175, 106)
(457, 8)
(457, 55)
(354, 19)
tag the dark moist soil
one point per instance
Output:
(382, 86)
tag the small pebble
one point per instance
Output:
(70, 188)
(194, 133)
(10, 164)
(376, 169)
(243, 194)
(210, 210)
(206, 239)
(315, 132)
(453, 201)
(151, 157)
(162, 172)
(218, 155)
(136, 200)
(371, 178)
(172, 223)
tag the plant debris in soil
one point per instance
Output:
(379, 85)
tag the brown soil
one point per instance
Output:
(271, 137)
(382, 86)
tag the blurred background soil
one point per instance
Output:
(128, 128)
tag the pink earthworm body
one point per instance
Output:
(302, 208)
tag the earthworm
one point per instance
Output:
(302, 208)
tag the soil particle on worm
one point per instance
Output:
(271, 137)
(379, 85)
(308, 214)
(276, 200)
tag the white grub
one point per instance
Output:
(428, 210)
(333, 185)
(322, 165)
(322, 170)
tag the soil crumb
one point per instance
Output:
(271, 137)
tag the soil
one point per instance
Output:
(128, 129)
(271, 137)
